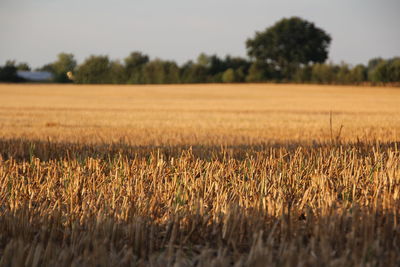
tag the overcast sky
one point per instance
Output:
(35, 31)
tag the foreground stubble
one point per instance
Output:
(321, 205)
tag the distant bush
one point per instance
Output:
(324, 73)
(8, 73)
(160, 72)
(384, 71)
(95, 69)
(229, 76)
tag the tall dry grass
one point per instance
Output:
(322, 205)
(228, 196)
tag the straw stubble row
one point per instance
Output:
(325, 205)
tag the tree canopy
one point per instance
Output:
(289, 43)
(95, 69)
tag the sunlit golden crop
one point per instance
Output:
(199, 175)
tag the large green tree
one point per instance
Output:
(289, 44)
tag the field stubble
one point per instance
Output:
(245, 175)
(198, 114)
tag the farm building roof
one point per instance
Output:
(35, 75)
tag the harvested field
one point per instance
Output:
(198, 114)
(199, 175)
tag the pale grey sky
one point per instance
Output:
(35, 31)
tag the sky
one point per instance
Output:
(35, 31)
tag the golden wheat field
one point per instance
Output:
(199, 175)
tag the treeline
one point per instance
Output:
(137, 68)
(292, 50)
(377, 71)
